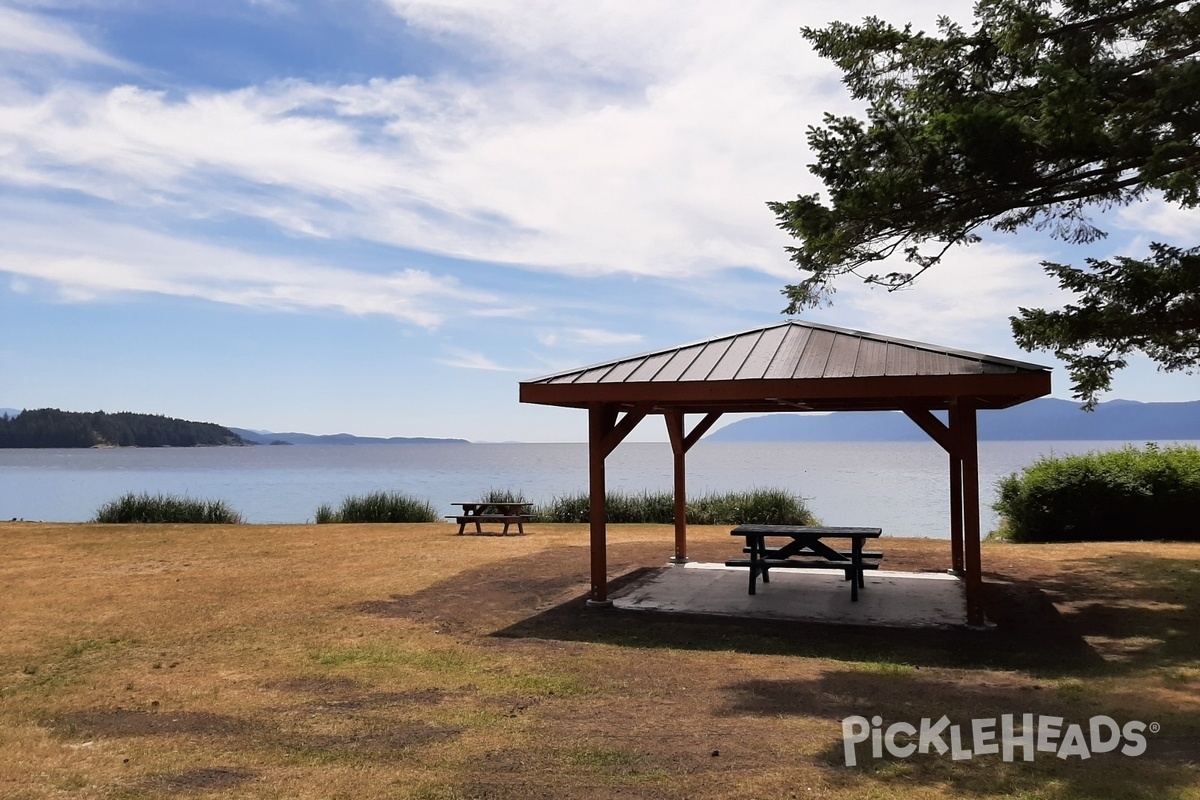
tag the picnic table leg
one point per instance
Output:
(753, 562)
(762, 559)
(857, 560)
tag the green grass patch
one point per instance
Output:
(1126, 494)
(161, 508)
(884, 667)
(542, 684)
(378, 507)
(446, 668)
(765, 506)
(601, 757)
(387, 655)
(77, 649)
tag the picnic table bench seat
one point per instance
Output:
(846, 554)
(765, 564)
(507, 519)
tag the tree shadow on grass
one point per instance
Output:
(910, 695)
(1137, 610)
(1112, 776)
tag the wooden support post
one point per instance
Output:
(680, 444)
(674, 420)
(972, 566)
(604, 434)
(601, 420)
(961, 441)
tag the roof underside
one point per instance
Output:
(796, 366)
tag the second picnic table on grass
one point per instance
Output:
(498, 512)
(806, 541)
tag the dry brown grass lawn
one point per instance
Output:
(365, 661)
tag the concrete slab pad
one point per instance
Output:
(889, 599)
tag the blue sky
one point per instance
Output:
(377, 216)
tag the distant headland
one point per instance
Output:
(1044, 419)
(50, 427)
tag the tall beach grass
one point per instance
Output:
(503, 496)
(766, 506)
(148, 508)
(378, 507)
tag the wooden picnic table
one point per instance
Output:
(805, 548)
(485, 511)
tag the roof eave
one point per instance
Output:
(996, 390)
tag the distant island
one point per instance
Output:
(50, 427)
(1044, 419)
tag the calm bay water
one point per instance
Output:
(899, 486)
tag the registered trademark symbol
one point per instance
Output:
(1155, 727)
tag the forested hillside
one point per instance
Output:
(49, 427)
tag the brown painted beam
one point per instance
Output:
(701, 428)
(618, 431)
(932, 426)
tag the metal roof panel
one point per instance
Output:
(706, 360)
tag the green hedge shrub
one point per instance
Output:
(147, 508)
(766, 506)
(378, 507)
(1122, 494)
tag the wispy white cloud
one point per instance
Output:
(586, 337)
(278, 6)
(463, 359)
(25, 35)
(1156, 218)
(103, 262)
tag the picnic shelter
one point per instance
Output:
(794, 366)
